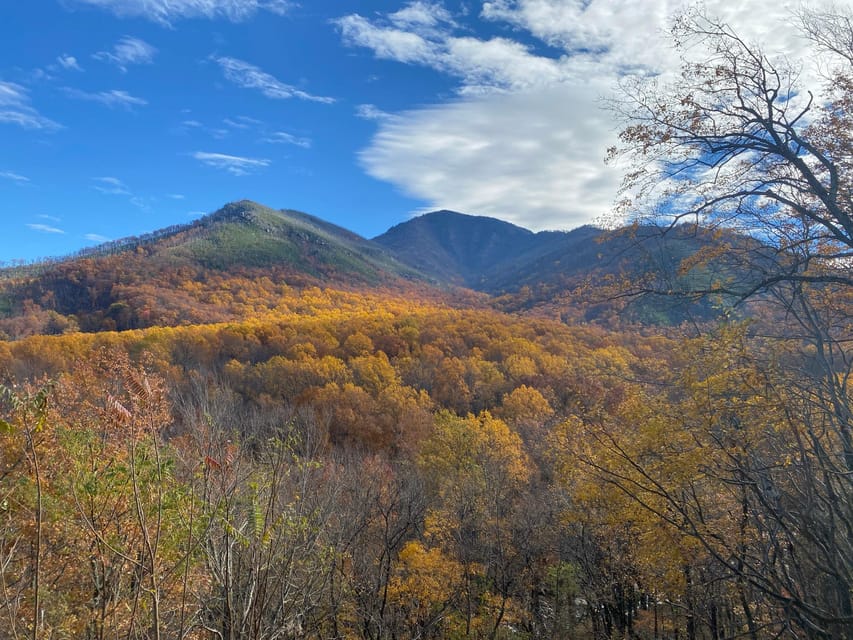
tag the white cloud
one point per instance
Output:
(177, 196)
(127, 51)
(371, 112)
(525, 138)
(586, 27)
(278, 7)
(389, 42)
(112, 98)
(235, 124)
(251, 122)
(96, 237)
(15, 108)
(16, 177)
(111, 186)
(166, 12)
(44, 228)
(68, 62)
(282, 137)
(235, 165)
(490, 157)
(249, 76)
(421, 15)
(243, 122)
(500, 64)
(616, 36)
(496, 64)
(42, 75)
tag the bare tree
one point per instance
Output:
(736, 143)
(740, 149)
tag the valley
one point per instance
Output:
(458, 429)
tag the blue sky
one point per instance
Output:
(119, 117)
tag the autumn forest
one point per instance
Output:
(260, 426)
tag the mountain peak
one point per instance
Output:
(238, 211)
(453, 246)
(448, 216)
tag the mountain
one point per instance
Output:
(452, 247)
(569, 272)
(245, 259)
(487, 254)
(497, 257)
(245, 234)
(233, 262)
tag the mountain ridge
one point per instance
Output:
(453, 246)
(202, 271)
(194, 273)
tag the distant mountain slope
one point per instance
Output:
(248, 235)
(246, 259)
(235, 261)
(455, 248)
(494, 256)
(550, 256)
(575, 273)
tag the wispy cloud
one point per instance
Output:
(127, 51)
(388, 42)
(177, 196)
(16, 177)
(248, 76)
(219, 133)
(242, 122)
(44, 228)
(96, 237)
(111, 186)
(166, 12)
(235, 124)
(112, 98)
(372, 112)
(15, 108)
(243, 126)
(45, 216)
(140, 203)
(423, 16)
(43, 75)
(235, 165)
(282, 137)
(68, 62)
(424, 34)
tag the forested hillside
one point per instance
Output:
(235, 262)
(369, 467)
(402, 464)
(244, 259)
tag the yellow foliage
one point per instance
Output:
(425, 582)
(525, 405)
